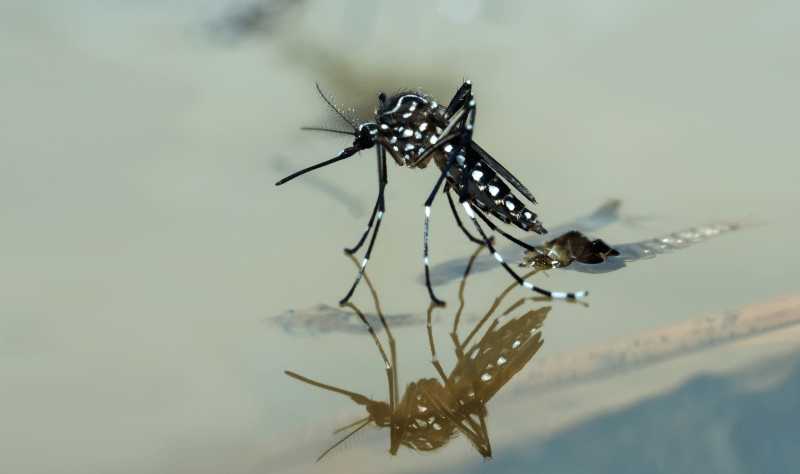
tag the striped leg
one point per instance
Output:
(458, 219)
(381, 178)
(526, 284)
(381, 208)
(504, 234)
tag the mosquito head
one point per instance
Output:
(365, 136)
(380, 413)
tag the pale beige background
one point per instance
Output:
(142, 241)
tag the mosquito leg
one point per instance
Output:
(457, 102)
(510, 237)
(458, 220)
(427, 219)
(381, 182)
(382, 179)
(366, 232)
(526, 284)
(392, 343)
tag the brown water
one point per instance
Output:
(144, 241)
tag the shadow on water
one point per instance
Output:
(431, 413)
(575, 251)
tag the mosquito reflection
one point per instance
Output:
(434, 411)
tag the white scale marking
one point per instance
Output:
(477, 175)
(426, 259)
(407, 115)
(494, 190)
(393, 140)
(384, 126)
(364, 263)
(408, 133)
(380, 215)
(427, 211)
(510, 205)
(409, 146)
(399, 102)
(498, 257)
(558, 294)
(527, 285)
(515, 345)
(447, 148)
(472, 103)
(469, 210)
(433, 139)
(423, 126)
(417, 135)
(501, 361)
(486, 377)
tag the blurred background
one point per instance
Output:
(144, 248)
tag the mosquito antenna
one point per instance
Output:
(320, 129)
(330, 104)
(344, 439)
(360, 399)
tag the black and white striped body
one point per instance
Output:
(414, 129)
(407, 128)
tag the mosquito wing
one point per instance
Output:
(501, 353)
(500, 170)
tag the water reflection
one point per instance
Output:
(432, 412)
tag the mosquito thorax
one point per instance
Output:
(406, 126)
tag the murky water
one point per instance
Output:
(146, 248)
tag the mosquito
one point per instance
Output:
(414, 129)
(432, 413)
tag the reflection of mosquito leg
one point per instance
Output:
(489, 314)
(481, 443)
(461, 293)
(389, 373)
(392, 345)
(458, 219)
(435, 360)
(499, 258)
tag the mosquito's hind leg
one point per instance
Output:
(458, 220)
(526, 284)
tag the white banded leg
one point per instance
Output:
(382, 181)
(366, 232)
(458, 219)
(379, 215)
(510, 237)
(526, 284)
